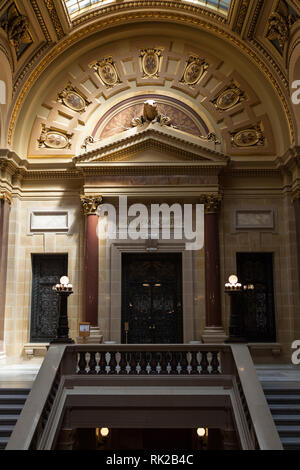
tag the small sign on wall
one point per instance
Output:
(254, 219)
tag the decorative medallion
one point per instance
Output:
(73, 99)
(194, 70)
(107, 72)
(54, 139)
(151, 115)
(248, 137)
(150, 62)
(229, 98)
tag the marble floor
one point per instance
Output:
(19, 375)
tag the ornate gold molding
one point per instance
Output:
(90, 203)
(180, 18)
(212, 202)
(5, 196)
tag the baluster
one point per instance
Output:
(153, 363)
(102, 363)
(82, 363)
(204, 363)
(133, 364)
(143, 364)
(163, 364)
(215, 363)
(194, 363)
(92, 363)
(183, 364)
(123, 364)
(112, 363)
(173, 363)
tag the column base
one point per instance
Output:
(214, 334)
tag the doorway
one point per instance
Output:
(46, 271)
(259, 306)
(152, 298)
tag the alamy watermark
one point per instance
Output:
(156, 222)
(296, 353)
(2, 92)
(296, 93)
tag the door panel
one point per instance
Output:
(46, 271)
(152, 298)
(259, 309)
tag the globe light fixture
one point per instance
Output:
(104, 432)
(201, 432)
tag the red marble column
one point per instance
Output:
(5, 202)
(214, 331)
(296, 202)
(91, 259)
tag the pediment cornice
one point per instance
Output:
(181, 146)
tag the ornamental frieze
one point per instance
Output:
(150, 62)
(250, 137)
(107, 71)
(194, 70)
(229, 98)
(54, 139)
(74, 100)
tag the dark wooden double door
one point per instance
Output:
(46, 271)
(152, 298)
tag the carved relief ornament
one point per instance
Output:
(52, 138)
(107, 72)
(229, 97)
(17, 29)
(5, 196)
(74, 100)
(212, 202)
(90, 203)
(150, 62)
(193, 71)
(249, 137)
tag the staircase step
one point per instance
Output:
(291, 443)
(281, 391)
(8, 419)
(292, 431)
(286, 420)
(14, 391)
(280, 399)
(5, 431)
(286, 409)
(13, 399)
(9, 409)
(3, 442)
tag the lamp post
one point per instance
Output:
(236, 292)
(64, 289)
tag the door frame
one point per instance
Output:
(115, 269)
(159, 255)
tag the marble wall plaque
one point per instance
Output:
(49, 221)
(254, 219)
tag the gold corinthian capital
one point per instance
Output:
(212, 202)
(5, 196)
(90, 203)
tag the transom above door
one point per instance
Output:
(152, 298)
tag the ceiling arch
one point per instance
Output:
(225, 66)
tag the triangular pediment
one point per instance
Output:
(155, 145)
